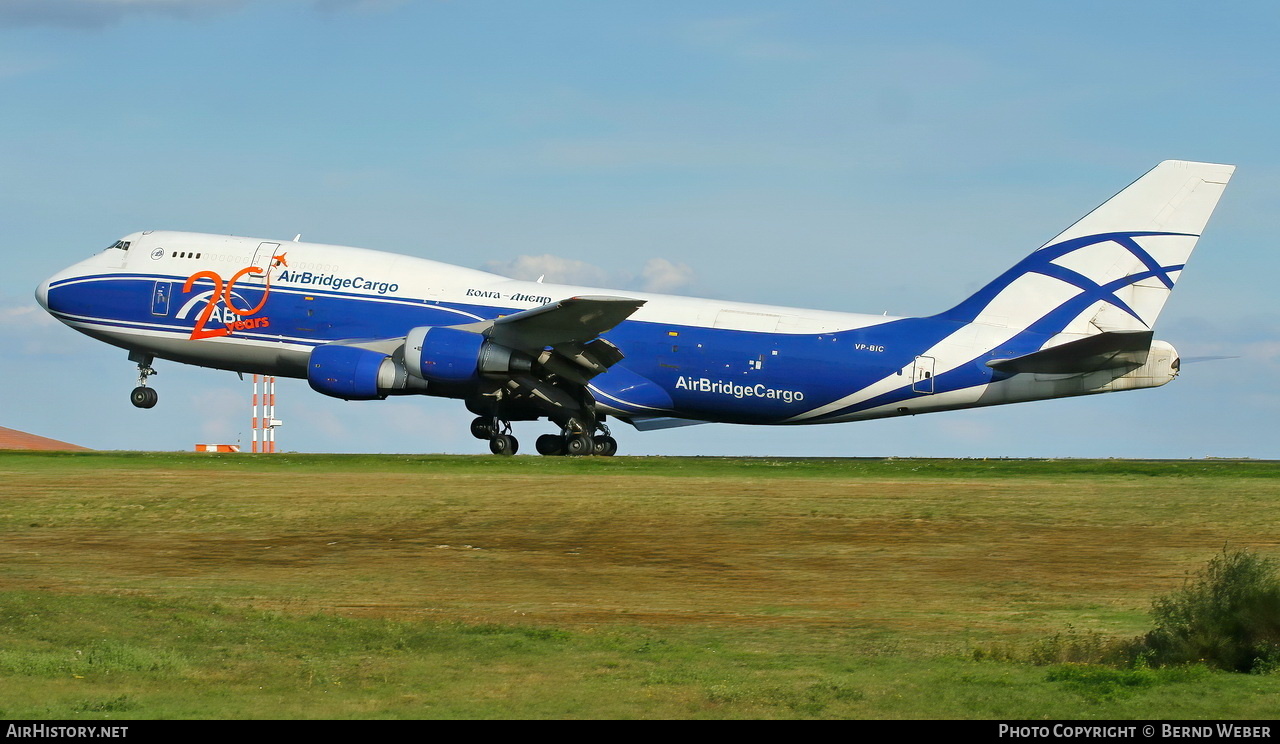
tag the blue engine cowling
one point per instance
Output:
(353, 373)
(450, 355)
(431, 354)
(443, 354)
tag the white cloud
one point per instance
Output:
(17, 315)
(27, 328)
(555, 269)
(657, 275)
(16, 319)
(661, 275)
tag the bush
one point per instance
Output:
(1227, 616)
(1069, 647)
(1075, 647)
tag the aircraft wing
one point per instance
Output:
(1089, 354)
(563, 336)
(575, 320)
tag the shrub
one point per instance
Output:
(1076, 647)
(1071, 646)
(1227, 616)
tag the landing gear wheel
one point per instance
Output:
(551, 445)
(144, 397)
(605, 446)
(483, 428)
(578, 444)
(503, 444)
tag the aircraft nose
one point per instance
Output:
(42, 294)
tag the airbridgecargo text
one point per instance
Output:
(337, 282)
(1167, 731)
(703, 385)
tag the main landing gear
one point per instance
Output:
(572, 443)
(555, 445)
(498, 433)
(143, 396)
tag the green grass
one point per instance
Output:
(760, 467)
(175, 585)
(131, 657)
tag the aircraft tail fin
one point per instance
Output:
(1112, 270)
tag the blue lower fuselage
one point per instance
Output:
(690, 371)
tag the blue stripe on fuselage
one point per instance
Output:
(727, 375)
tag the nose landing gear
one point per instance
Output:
(143, 396)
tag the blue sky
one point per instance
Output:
(865, 157)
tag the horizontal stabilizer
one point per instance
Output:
(1090, 354)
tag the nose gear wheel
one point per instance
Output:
(143, 396)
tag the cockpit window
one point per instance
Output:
(120, 244)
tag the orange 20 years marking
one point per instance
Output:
(222, 292)
(226, 295)
(200, 331)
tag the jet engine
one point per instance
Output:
(354, 373)
(522, 366)
(451, 355)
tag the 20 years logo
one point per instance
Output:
(222, 294)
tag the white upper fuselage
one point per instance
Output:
(420, 279)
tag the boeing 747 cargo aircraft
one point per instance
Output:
(1074, 317)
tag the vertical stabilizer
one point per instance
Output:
(1113, 269)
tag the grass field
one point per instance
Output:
(162, 585)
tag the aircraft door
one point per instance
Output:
(160, 298)
(922, 375)
(262, 258)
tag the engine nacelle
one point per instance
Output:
(353, 373)
(450, 355)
